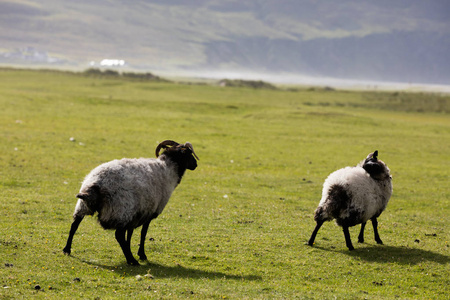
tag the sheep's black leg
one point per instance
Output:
(129, 234)
(141, 251)
(361, 233)
(125, 245)
(348, 241)
(313, 235)
(375, 230)
(73, 228)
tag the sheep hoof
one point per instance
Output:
(141, 254)
(133, 262)
(351, 248)
(143, 257)
(66, 251)
(379, 242)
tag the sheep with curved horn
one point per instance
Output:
(129, 193)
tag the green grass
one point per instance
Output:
(236, 227)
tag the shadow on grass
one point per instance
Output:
(163, 271)
(392, 254)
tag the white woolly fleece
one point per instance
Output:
(367, 195)
(139, 188)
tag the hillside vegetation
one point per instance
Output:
(237, 226)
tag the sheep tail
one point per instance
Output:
(92, 197)
(337, 201)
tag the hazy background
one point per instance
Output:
(385, 40)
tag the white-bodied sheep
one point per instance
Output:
(128, 193)
(353, 195)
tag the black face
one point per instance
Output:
(188, 158)
(182, 156)
(191, 163)
(373, 166)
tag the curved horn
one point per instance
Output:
(165, 144)
(190, 147)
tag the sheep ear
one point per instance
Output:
(375, 154)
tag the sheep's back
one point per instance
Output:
(132, 190)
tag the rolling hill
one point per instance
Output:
(404, 41)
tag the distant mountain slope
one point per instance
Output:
(383, 40)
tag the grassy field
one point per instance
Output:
(237, 226)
